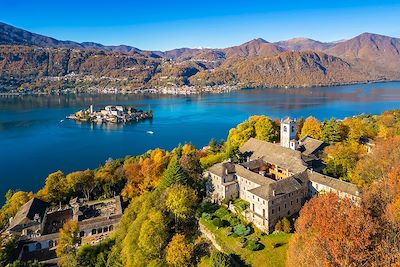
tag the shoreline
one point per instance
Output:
(179, 91)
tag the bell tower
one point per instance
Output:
(288, 133)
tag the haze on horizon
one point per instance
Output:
(175, 24)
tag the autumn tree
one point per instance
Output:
(81, 182)
(311, 127)
(341, 159)
(331, 232)
(55, 189)
(376, 165)
(179, 252)
(153, 234)
(361, 126)
(180, 201)
(14, 201)
(67, 244)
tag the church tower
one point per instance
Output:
(288, 133)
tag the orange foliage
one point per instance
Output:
(331, 232)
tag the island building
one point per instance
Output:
(276, 179)
(36, 225)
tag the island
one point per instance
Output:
(111, 114)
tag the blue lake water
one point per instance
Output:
(33, 141)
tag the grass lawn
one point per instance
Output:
(268, 256)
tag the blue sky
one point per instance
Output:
(163, 25)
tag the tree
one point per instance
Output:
(153, 234)
(311, 127)
(361, 126)
(286, 225)
(14, 201)
(173, 174)
(67, 243)
(341, 159)
(55, 189)
(331, 232)
(81, 181)
(377, 165)
(179, 252)
(266, 129)
(333, 131)
(220, 259)
(181, 201)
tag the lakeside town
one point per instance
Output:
(111, 114)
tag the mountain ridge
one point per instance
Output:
(30, 60)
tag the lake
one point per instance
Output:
(35, 142)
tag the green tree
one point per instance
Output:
(173, 174)
(220, 259)
(333, 131)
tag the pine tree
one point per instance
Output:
(174, 174)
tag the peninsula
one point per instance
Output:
(111, 114)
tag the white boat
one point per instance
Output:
(61, 120)
(150, 132)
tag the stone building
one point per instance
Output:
(37, 224)
(275, 179)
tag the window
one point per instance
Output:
(291, 202)
(292, 128)
(279, 208)
(297, 200)
(285, 128)
(258, 199)
(285, 205)
(272, 211)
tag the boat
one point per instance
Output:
(61, 120)
(150, 132)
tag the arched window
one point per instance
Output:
(100, 230)
(110, 228)
(94, 231)
(81, 234)
(51, 243)
(38, 246)
(105, 229)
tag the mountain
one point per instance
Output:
(285, 69)
(256, 47)
(303, 44)
(375, 50)
(10, 35)
(37, 62)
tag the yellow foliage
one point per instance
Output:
(179, 252)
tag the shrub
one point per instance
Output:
(229, 231)
(242, 230)
(255, 238)
(278, 226)
(240, 204)
(242, 241)
(206, 216)
(232, 219)
(252, 245)
(286, 225)
(225, 201)
(207, 207)
(217, 222)
(221, 212)
(219, 259)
